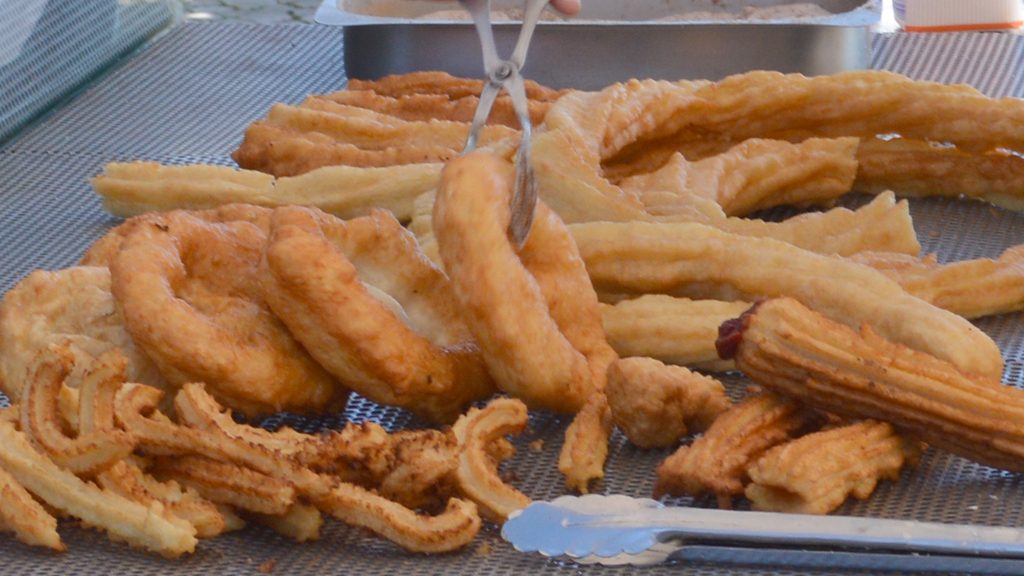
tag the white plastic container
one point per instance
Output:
(959, 15)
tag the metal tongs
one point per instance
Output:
(506, 74)
(617, 530)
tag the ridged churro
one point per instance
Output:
(716, 462)
(698, 261)
(816, 473)
(793, 350)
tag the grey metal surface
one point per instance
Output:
(588, 53)
(47, 47)
(189, 98)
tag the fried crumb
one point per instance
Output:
(933, 233)
(509, 476)
(268, 566)
(484, 549)
(537, 445)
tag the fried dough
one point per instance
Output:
(188, 289)
(373, 311)
(673, 330)
(130, 189)
(698, 261)
(816, 473)
(656, 405)
(716, 462)
(969, 288)
(790, 349)
(73, 309)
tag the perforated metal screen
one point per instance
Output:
(189, 97)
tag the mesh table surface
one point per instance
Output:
(188, 99)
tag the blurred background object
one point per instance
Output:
(959, 15)
(48, 47)
(256, 11)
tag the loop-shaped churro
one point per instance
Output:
(86, 453)
(188, 290)
(477, 472)
(375, 312)
(533, 312)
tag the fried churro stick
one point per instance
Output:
(135, 408)
(133, 188)
(816, 473)
(282, 151)
(579, 195)
(656, 405)
(585, 450)
(701, 262)
(450, 530)
(433, 82)
(424, 107)
(207, 415)
(236, 486)
(753, 175)
(716, 462)
(786, 347)
(95, 408)
(860, 103)
(970, 288)
(86, 453)
(150, 527)
(379, 131)
(477, 472)
(26, 518)
(673, 330)
(919, 168)
(128, 479)
(456, 526)
(293, 140)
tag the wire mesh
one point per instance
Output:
(188, 98)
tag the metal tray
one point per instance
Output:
(610, 41)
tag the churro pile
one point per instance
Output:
(356, 250)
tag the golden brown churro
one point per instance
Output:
(816, 473)
(970, 288)
(702, 262)
(674, 330)
(716, 462)
(790, 349)
(477, 473)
